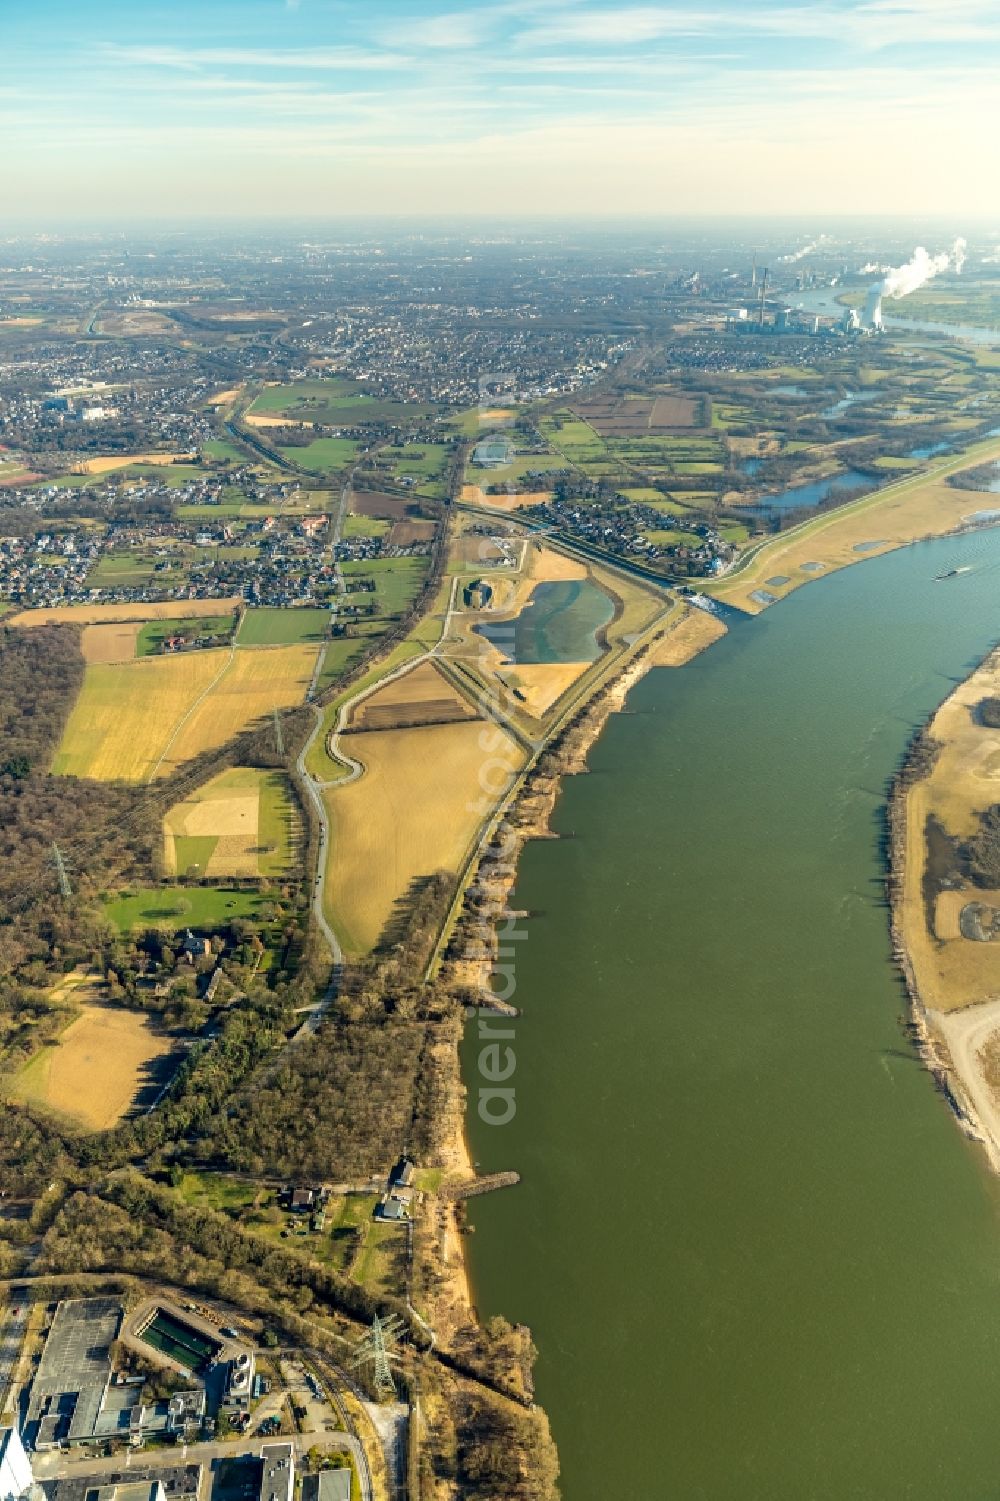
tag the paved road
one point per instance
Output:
(57, 1466)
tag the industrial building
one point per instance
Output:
(328, 1485)
(277, 1481)
(76, 1397)
(164, 1483)
(240, 1383)
(16, 1478)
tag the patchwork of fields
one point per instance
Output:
(241, 823)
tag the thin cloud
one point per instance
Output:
(187, 59)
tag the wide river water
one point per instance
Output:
(759, 1259)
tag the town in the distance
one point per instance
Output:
(324, 557)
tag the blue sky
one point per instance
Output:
(520, 106)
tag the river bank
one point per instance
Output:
(954, 998)
(471, 959)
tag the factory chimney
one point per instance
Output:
(763, 294)
(753, 273)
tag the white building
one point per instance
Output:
(15, 1466)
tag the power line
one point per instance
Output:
(65, 889)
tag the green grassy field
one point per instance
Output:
(365, 526)
(427, 463)
(267, 626)
(222, 448)
(397, 583)
(122, 569)
(323, 454)
(334, 402)
(203, 907)
(216, 1191)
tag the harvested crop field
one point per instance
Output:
(141, 719)
(255, 683)
(421, 696)
(477, 496)
(539, 685)
(405, 533)
(110, 643)
(107, 1061)
(122, 461)
(639, 416)
(241, 823)
(416, 810)
(378, 503)
(164, 609)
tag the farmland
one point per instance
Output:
(101, 614)
(101, 1063)
(241, 823)
(421, 696)
(322, 454)
(397, 582)
(111, 642)
(137, 720)
(421, 467)
(413, 812)
(271, 626)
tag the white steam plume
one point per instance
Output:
(902, 280)
(921, 268)
(799, 255)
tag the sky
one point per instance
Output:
(278, 108)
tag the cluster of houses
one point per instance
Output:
(623, 529)
(396, 1203)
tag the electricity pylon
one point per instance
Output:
(375, 1350)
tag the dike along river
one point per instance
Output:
(760, 1261)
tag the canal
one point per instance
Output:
(757, 1256)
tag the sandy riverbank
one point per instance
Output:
(949, 778)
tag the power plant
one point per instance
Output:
(871, 318)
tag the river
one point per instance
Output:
(759, 1259)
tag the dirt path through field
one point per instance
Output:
(196, 705)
